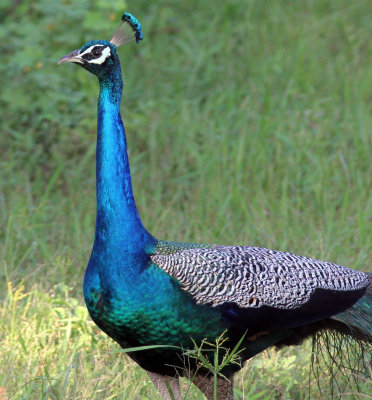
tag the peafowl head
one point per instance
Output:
(99, 56)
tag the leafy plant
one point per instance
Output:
(222, 357)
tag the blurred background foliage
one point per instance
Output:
(40, 101)
(248, 121)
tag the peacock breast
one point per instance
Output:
(145, 306)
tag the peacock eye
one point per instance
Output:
(97, 52)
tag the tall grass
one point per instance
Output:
(248, 122)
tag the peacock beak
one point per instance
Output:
(72, 57)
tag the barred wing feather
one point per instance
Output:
(252, 277)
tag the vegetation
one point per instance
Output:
(248, 122)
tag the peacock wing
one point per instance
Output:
(253, 278)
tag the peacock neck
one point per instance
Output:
(118, 223)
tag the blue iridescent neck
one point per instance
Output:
(118, 223)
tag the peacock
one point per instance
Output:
(142, 291)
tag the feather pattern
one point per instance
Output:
(254, 276)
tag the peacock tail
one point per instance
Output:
(343, 352)
(357, 318)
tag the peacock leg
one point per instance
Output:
(161, 383)
(205, 385)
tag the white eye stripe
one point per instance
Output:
(88, 50)
(105, 54)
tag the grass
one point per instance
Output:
(248, 122)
